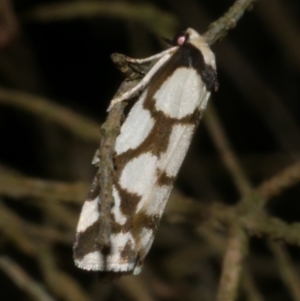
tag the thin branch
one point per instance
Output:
(237, 249)
(272, 187)
(251, 292)
(16, 230)
(287, 270)
(219, 29)
(226, 152)
(34, 188)
(165, 24)
(280, 182)
(25, 234)
(273, 228)
(61, 284)
(238, 241)
(60, 214)
(34, 289)
(255, 223)
(109, 132)
(20, 187)
(80, 126)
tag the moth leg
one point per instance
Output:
(164, 56)
(139, 71)
(96, 159)
(135, 64)
(150, 58)
(132, 71)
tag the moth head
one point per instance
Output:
(186, 36)
(180, 38)
(193, 37)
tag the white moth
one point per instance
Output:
(149, 151)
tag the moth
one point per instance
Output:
(149, 150)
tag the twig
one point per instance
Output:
(42, 107)
(165, 24)
(270, 188)
(251, 219)
(61, 284)
(237, 249)
(218, 29)
(104, 178)
(60, 214)
(281, 181)
(287, 270)
(15, 231)
(251, 292)
(19, 187)
(25, 234)
(180, 206)
(23, 280)
(273, 228)
(227, 154)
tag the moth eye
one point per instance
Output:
(179, 39)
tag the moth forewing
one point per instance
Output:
(162, 58)
(149, 151)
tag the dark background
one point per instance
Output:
(67, 61)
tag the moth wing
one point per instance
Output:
(163, 133)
